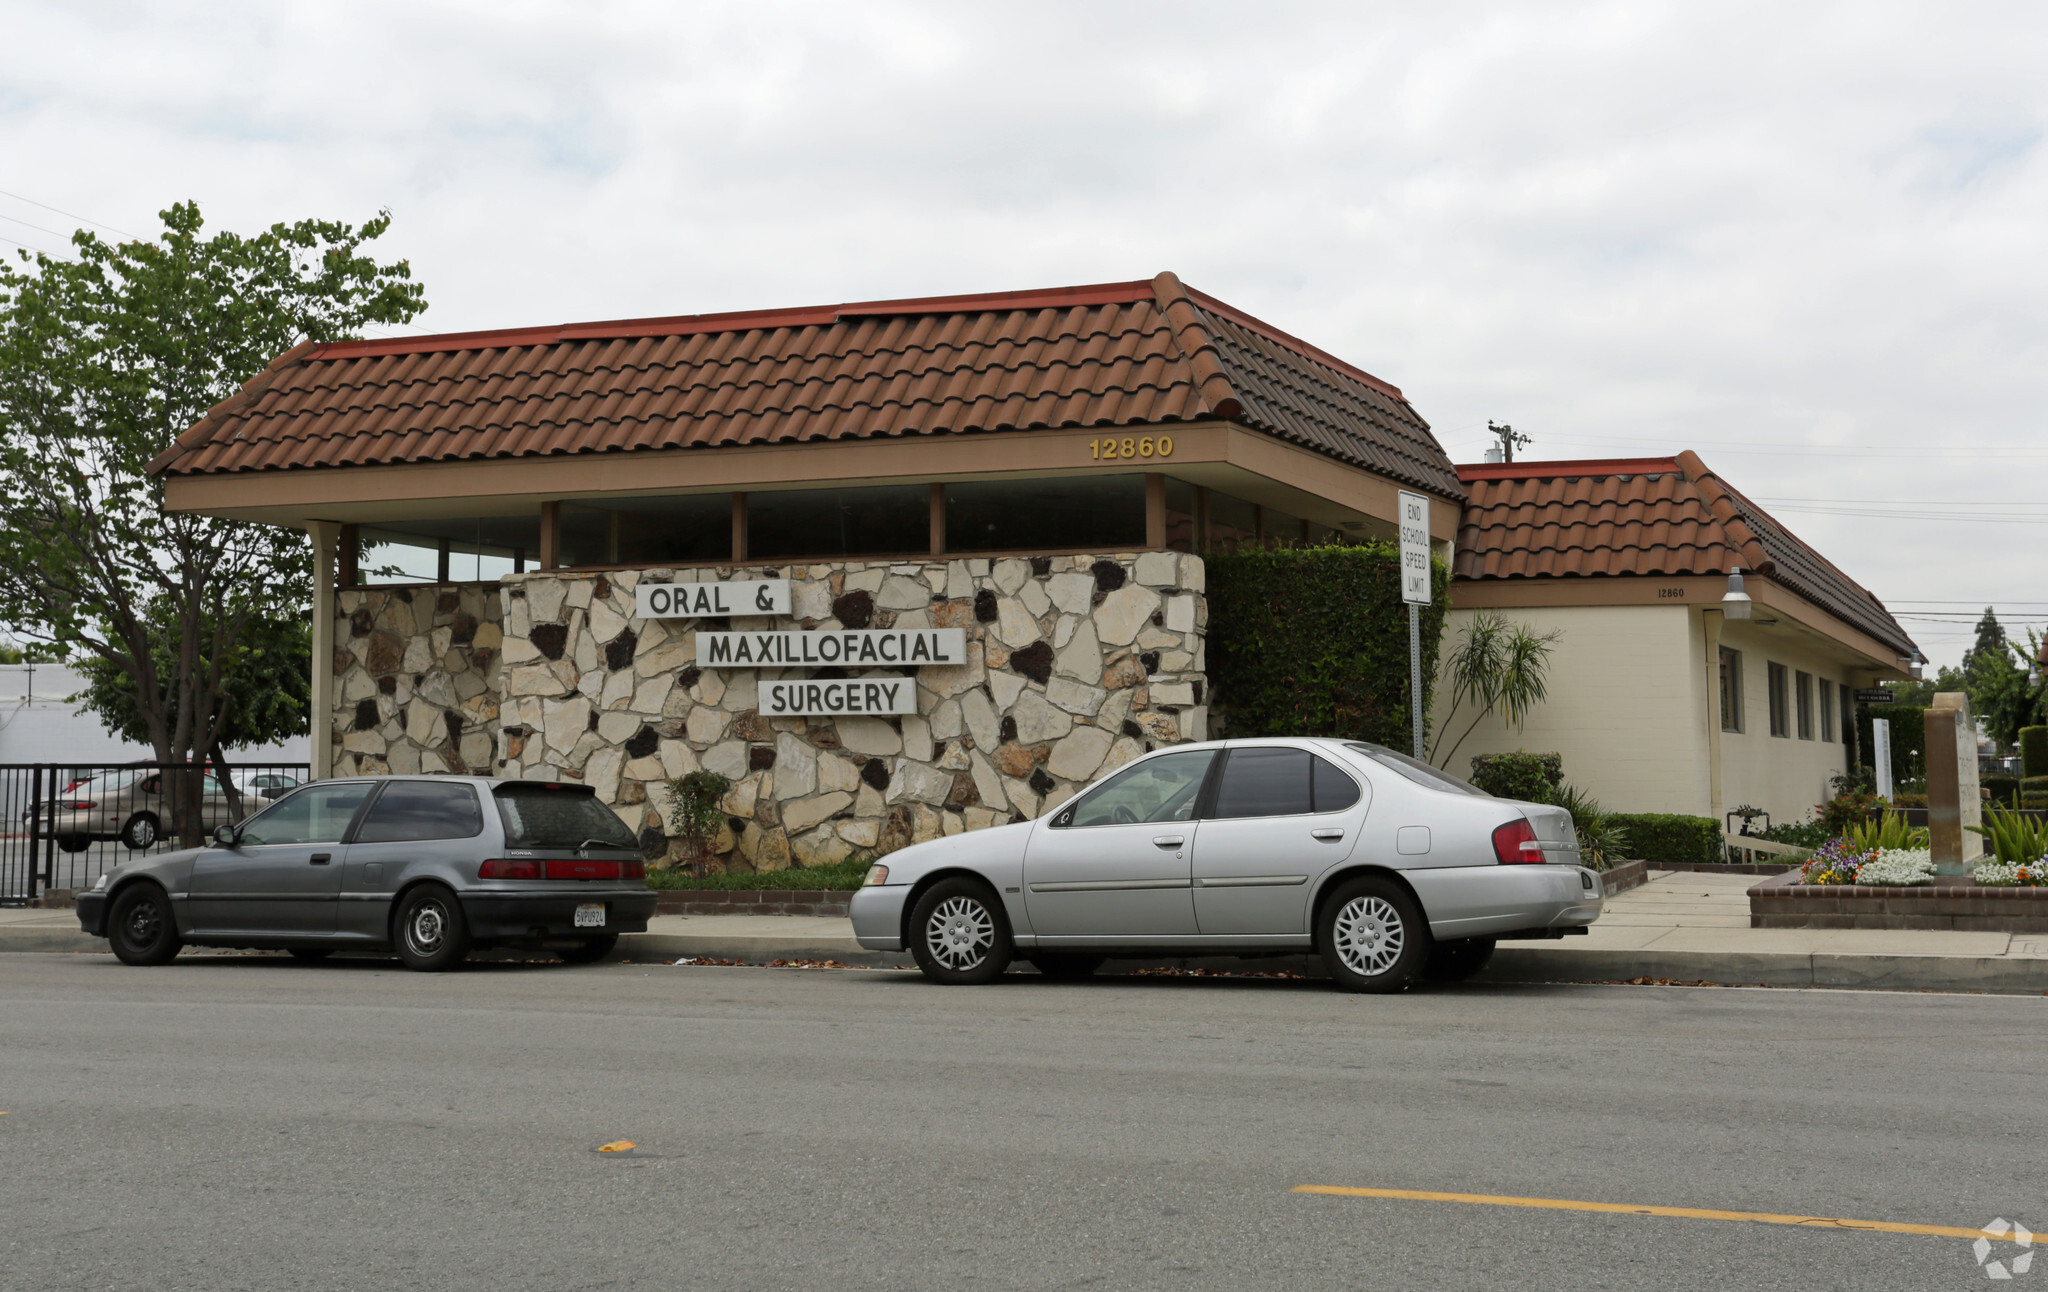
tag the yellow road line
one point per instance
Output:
(1624, 1209)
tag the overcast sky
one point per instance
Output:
(1805, 240)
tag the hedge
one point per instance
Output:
(839, 877)
(1909, 738)
(1658, 837)
(1532, 778)
(2002, 788)
(2034, 751)
(1313, 641)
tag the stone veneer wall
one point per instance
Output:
(1076, 665)
(416, 680)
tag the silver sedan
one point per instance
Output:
(1387, 868)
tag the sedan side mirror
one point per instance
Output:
(226, 836)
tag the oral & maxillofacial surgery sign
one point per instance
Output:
(813, 698)
(863, 648)
(693, 600)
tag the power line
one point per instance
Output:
(37, 227)
(71, 215)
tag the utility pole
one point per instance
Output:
(1510, 440)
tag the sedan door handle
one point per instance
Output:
(1169, 840)
(1326, 834)
(322, 858)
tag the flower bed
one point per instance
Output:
(1950, 902)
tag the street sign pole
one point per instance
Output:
(1415, 591)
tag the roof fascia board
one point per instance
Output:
(1670, 592)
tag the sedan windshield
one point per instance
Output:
(546, 816)
(1421, 773)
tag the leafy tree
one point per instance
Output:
(1990, 641)
(104, 360)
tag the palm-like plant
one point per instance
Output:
(1497, 666)
(1600, 840)
(1887, 832)
(2014, 837)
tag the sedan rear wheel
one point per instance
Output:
(141, 928)
(1372, 937)
(958, 933)
(429, 930)
(140, 834)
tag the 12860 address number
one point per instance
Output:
(1130, 446)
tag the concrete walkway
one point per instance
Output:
(1681, 926)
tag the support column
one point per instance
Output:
(326, 538)
(938, 510)
(441, 562)
(1710, 630)
(550, 535)
(739, 528)
(1201, 543)
(1155, 510)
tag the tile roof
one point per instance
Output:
(1113, 354)
(1643, 516)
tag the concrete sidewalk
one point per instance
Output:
(1683, 926)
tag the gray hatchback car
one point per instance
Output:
(430, 867)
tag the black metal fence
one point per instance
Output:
(62, 825)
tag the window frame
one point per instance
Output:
(362, 820)
(1064, 820)
(1778, 696)
(1802, 703)
(1731, 691)
(1826, 704)
(1206, 806)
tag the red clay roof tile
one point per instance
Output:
(1638, 516)
(1110, 354)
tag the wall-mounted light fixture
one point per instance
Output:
(1735, 603)
(1919, 663)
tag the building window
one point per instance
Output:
(470, 549)
(1827, 710)
(1731, 690)
(1848, 712)
(1067, 513)
(884, 520)
(1802, 691)
(1779, 682)
(667, 530)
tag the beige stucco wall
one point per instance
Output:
(1624, 710)
(1785, 776)
(1630, 701)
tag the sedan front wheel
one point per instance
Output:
(958, 933)
(1372, 935)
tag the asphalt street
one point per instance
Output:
(246, 1122)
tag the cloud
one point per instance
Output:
(1626, 228)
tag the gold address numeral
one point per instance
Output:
(1143, 446)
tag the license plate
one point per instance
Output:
(590, 915)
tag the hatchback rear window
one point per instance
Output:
(559, 816)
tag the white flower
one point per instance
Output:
(1998, 872)
(1898, 866)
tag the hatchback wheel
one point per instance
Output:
(141, 928)
(140, 833)
(1371, 935)
(958, 933)
(429, 930)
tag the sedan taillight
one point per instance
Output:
(1514, 844)
(508, 868)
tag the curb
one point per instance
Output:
(2000, 974)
